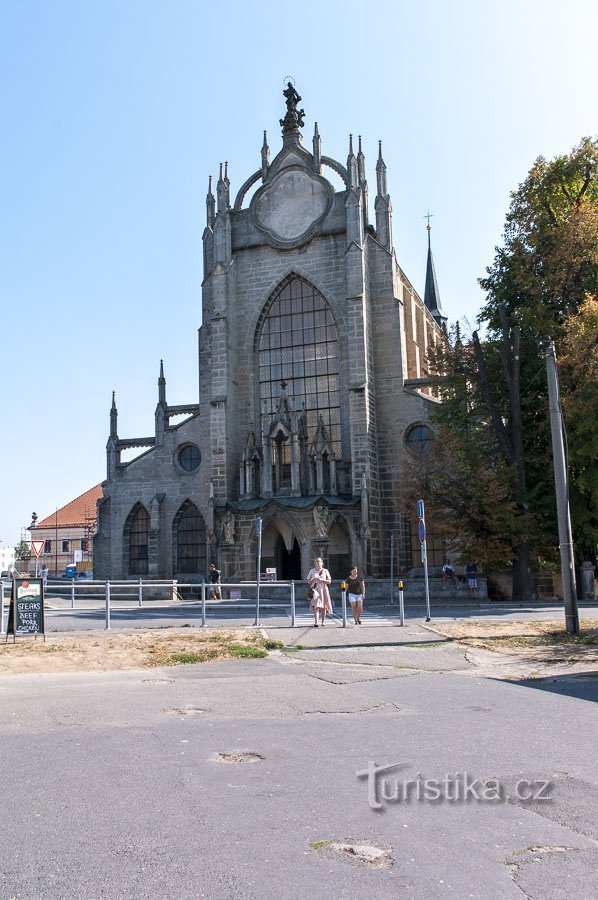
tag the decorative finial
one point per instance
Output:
(226, 171)
(350, 145)
(360, 150)
(380, 151)
(210, 184)
(293, 120)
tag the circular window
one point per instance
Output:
(419, 439)
(189, 458)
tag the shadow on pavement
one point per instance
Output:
(583, 686)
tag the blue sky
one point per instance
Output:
(115, 113)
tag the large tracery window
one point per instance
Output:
(190, 540)
(299, 345)
(139, 542)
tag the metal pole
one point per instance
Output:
(561, 484)
(73, 594)
(401, 604)
(203, 604)
(108, 606)
(2, 607)
(292, 604)
(392, 568)
(425, 555)
(258, 531)
(344, 602)
(140, 592)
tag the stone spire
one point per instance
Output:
(162, 385)
(113, 418)
(352, 167)
(265, 157)
(362, 183)
(382, 204)
(210, 205)
(317, 145)
(223, 190)
(431, 293)
(381, 173)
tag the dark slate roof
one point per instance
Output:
(431, 292)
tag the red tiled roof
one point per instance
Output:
(78, 512)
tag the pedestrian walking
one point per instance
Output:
(471, 573)
(356, 589)
(215, 589)
(318, 579)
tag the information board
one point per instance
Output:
(26, 616)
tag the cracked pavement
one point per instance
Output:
(112, 785)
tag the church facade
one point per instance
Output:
(312, 386)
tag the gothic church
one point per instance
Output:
(313, 386)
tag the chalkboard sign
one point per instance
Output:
(26, 616)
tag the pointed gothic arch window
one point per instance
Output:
(138, 540)
(298, 344)
(189, 540)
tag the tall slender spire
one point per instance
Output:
(382, 204)
(223, 190)
(362, 182)
(113, 418)
(317, 145)
(162, 385)
(431, 292)
(381, 174)
(352, 166)
(265, 157)
(210, 206)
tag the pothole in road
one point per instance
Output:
(361, 852)
(239, 756)
(184, 710)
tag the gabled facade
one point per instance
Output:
(312, 362)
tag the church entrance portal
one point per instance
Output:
(288, 565)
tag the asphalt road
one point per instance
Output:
(60, 618)
(112, 785)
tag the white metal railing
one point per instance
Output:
(111, 592)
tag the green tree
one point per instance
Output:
(579, 386)
(493, 428)
(23, 550)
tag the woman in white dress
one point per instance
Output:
(319, 578)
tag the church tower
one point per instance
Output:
(312, 377)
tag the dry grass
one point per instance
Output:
(541, 641)
(105, 651)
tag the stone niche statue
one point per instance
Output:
(321, 521)
(228, 528)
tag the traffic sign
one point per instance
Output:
(37, 546)
(420, 509)
(422, 531)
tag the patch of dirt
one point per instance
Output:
(111, 651)
(542, 642)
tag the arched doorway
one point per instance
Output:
(339, 552)
(288, 563)
(281, 550)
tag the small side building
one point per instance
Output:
(68, 534)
